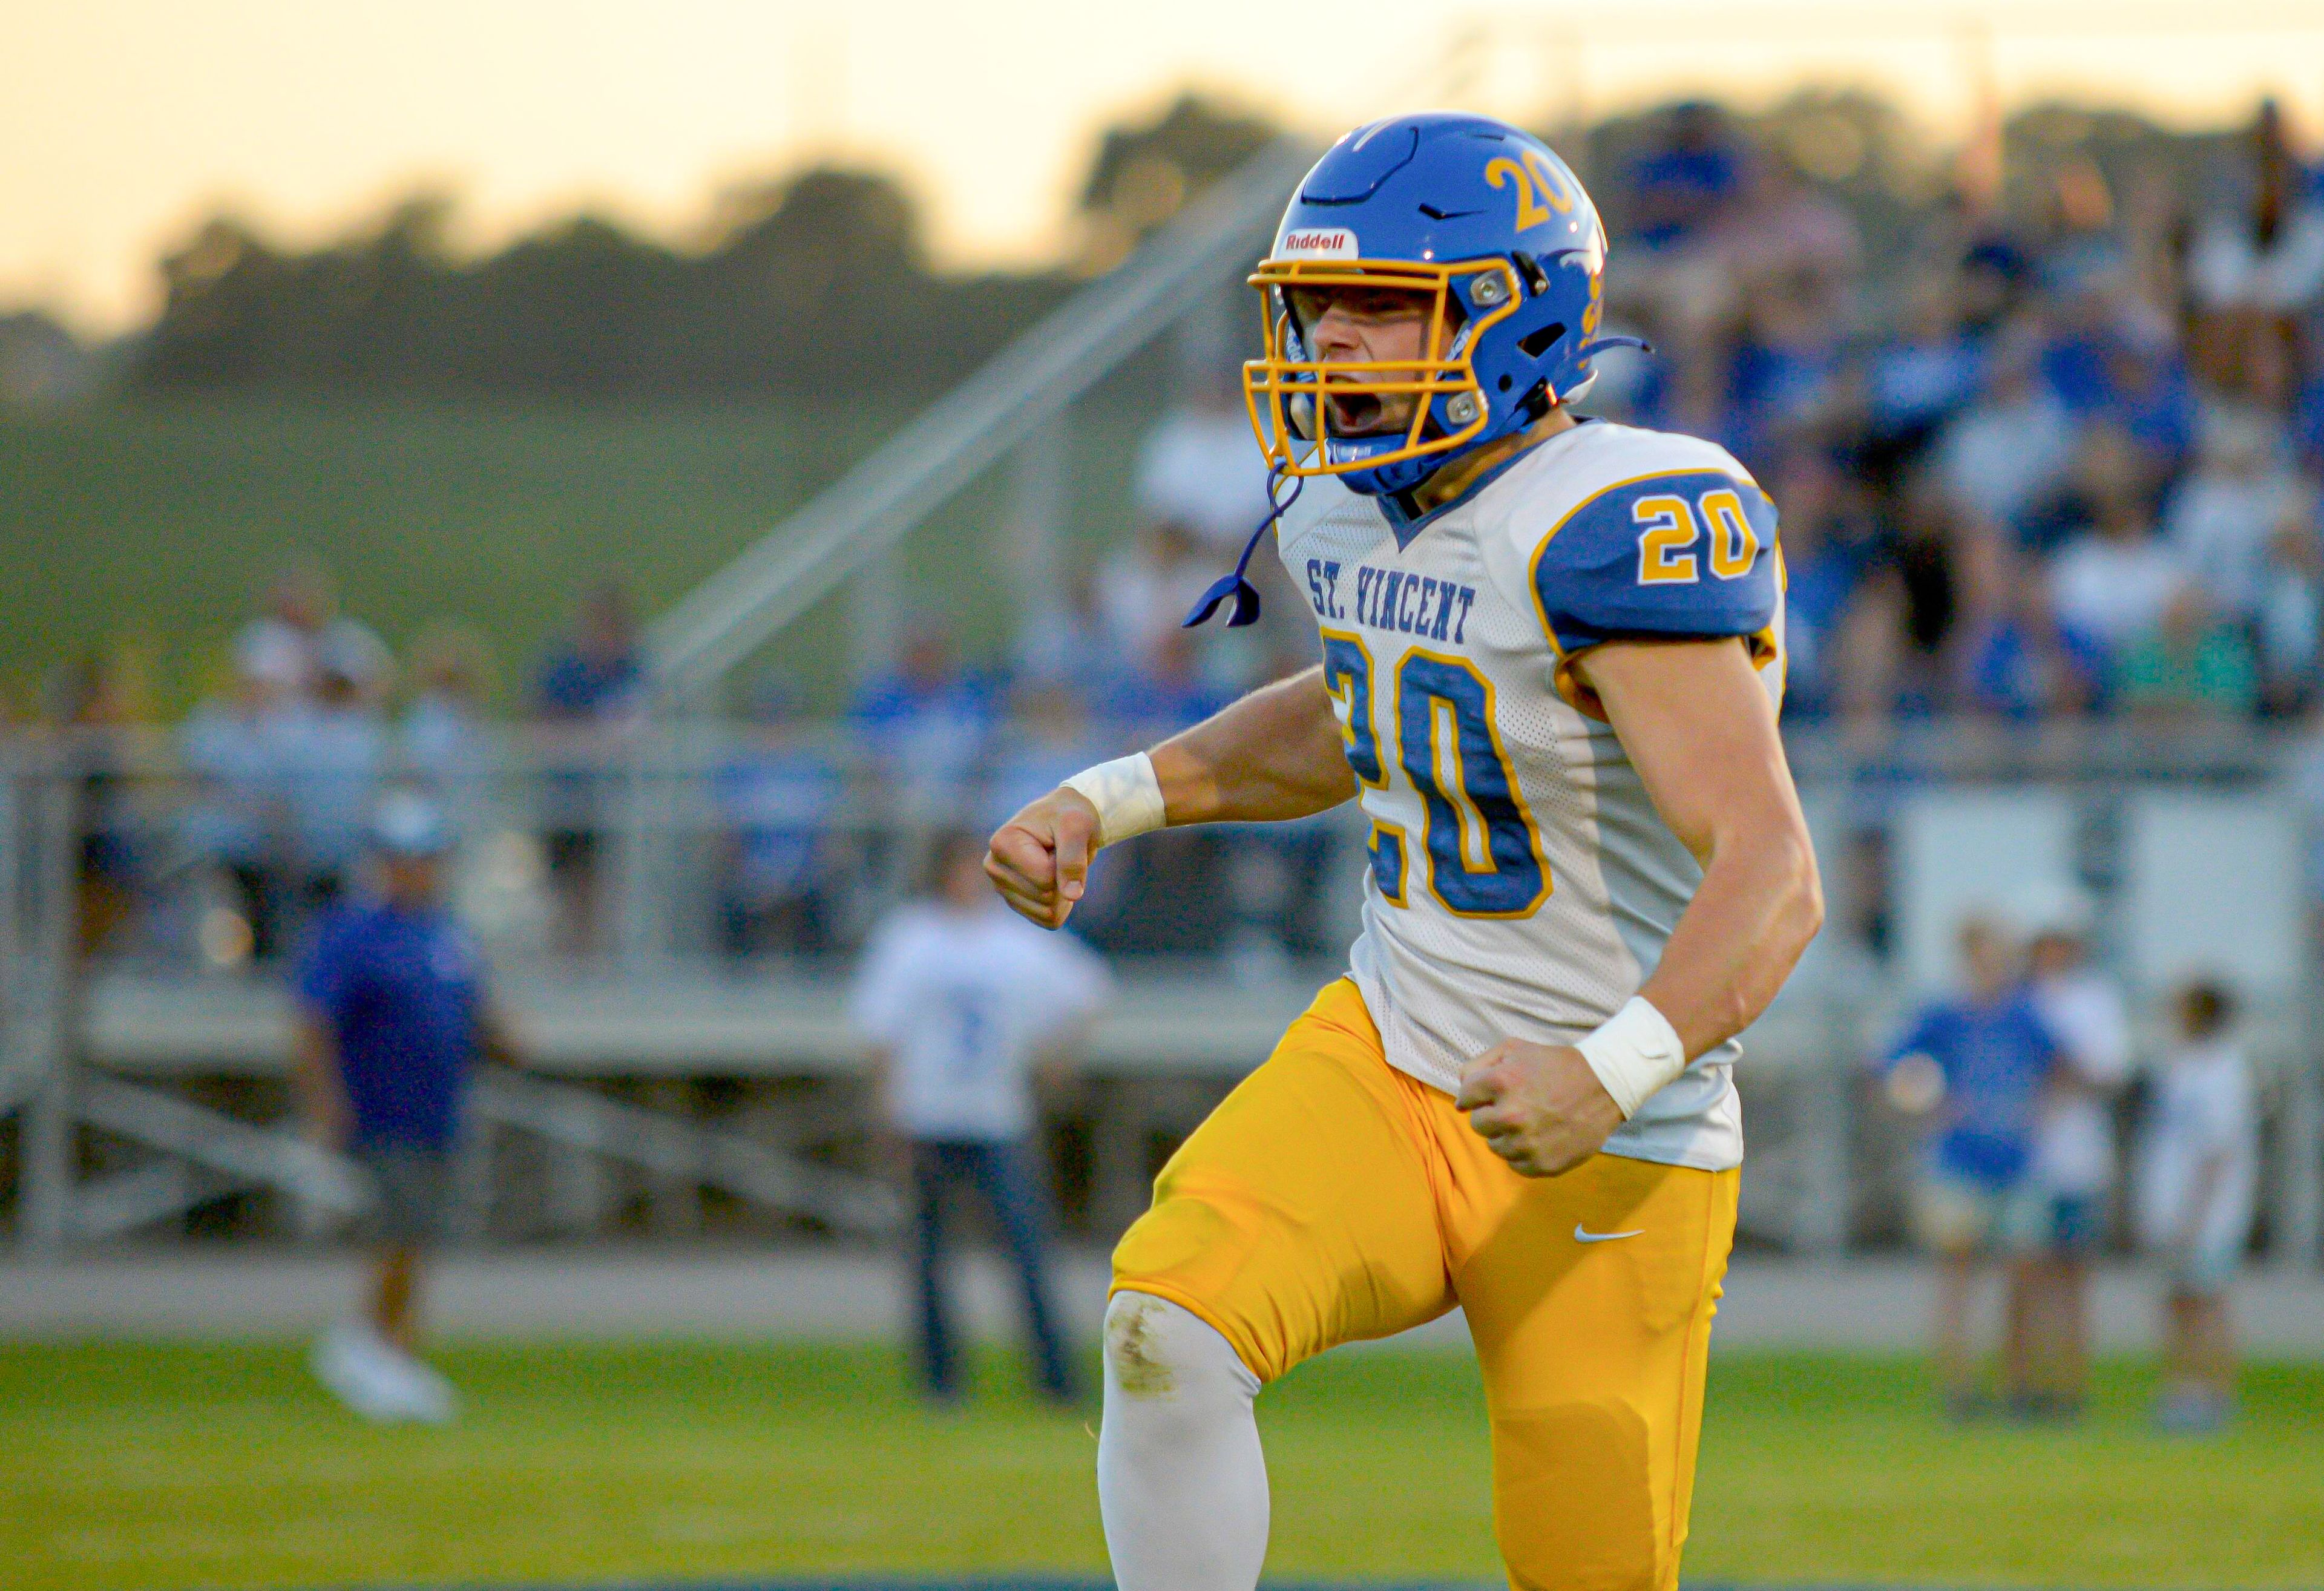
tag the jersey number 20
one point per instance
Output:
(1484, 859)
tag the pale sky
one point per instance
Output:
(124, 121)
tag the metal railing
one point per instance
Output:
(690, 1048)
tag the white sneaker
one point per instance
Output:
(422, 1391)
(348, 1360)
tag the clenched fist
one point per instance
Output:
(1539, 1106)
(1039, 860)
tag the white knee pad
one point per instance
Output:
(1181, 1482)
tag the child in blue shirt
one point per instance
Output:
(1977, 1065)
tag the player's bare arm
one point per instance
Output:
(1274, 755)
(1699, 729)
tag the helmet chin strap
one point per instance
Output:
(1237, 585)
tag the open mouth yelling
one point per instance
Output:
(1357, 414)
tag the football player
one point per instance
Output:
(1552, 660)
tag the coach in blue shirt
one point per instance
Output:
(391, 1018)
(1980, 1065)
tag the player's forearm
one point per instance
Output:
(1759, 904)
(1273, 754)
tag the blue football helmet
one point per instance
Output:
(1484, 219)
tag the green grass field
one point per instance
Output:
(154, 524)
(163, 1467)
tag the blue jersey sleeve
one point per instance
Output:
(1683, 554)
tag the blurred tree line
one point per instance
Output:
(821, 283)
(815, 283)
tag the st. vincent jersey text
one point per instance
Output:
(1392, 599)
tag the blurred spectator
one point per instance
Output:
(2291, 627)
(2224, 514)
(1166, 695)
(591, 689)
(2196, 1187)
(286, 646)
(443, 729)
(1201, 491)
(1679, 185)
(1065, 643)
(2113, 582)
(779, 796)
(2110, 360)
(2074, 1167)
(329, 756)
(1782, 239)
(1201, 470)
(1978, 1066)
(101, 700)
(2108, 469)
(1932, 368)
(1828, 545)
(1049, 741)
(233, 821)
(961, 1002)
(2017, 661)
(2193, 664)
(925, 722)
(2009, 449)
(391, 1018)
(1145, 590)
(2269, 257)
(1785, 373)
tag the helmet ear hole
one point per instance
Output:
(1534, 344)
(1506, 383)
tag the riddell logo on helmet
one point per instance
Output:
(1318, 242)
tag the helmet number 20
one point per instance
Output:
(1540, 194)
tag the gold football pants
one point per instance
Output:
(1332, 1198)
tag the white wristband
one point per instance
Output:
(1126, 794)
(1634, 1052)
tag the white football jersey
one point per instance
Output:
(1522, 884)
(963, 1002)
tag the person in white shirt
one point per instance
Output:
(301, 635)
(2199, 1177)
(2111, 583)
(961, 1001)
(2074, 1167)
(1202, 469)
(2223, 517)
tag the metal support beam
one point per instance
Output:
(582, 1119)
(162, 1192)
(1032, 531)
(45, 976)
(223, 1142)
(788, 570)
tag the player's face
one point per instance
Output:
(1353, 325)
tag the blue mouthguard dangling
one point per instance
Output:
(1237, 585)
